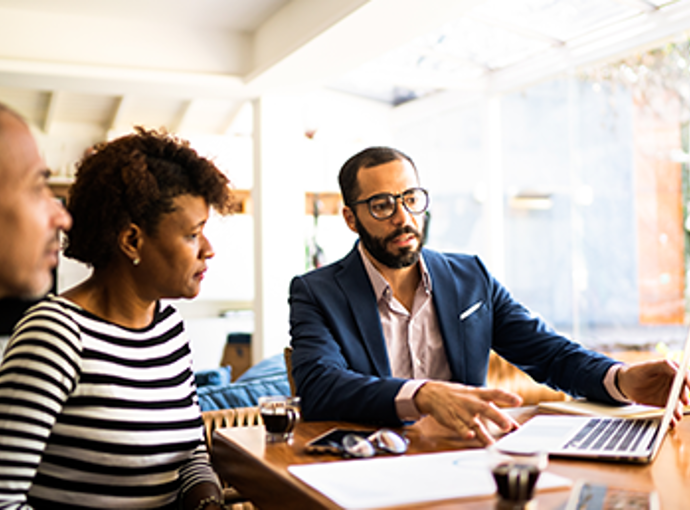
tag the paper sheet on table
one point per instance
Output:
(389, 481)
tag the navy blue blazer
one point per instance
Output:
(340, 362)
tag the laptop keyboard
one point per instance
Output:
(610, 434)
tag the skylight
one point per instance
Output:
(500, 35)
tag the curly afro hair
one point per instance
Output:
(134, 179)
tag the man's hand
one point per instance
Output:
(649, 382)
(467, 409)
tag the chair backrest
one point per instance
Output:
(235, 417)
(231, 417)
(287, 352)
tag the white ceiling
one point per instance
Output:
(191, 64)
(235, 15)
(186, 64)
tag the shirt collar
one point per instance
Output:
(379, 283)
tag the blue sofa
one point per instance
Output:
(268, 377)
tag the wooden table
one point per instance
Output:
(259, 471)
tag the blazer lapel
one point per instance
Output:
(354, 281)
(446, 294)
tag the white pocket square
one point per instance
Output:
(471, 310)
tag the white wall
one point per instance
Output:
(289, 163)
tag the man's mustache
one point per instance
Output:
(408, 229)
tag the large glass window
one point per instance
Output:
(591, 198)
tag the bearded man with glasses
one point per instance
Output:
(395, 331)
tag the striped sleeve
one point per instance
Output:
(40, 368)
(198, 469)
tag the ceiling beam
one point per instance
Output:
(293, 26)
(119, 110)
(94, 79)
(177, 124)
(517, 29)
(91, 36)
(335, 40)
(227, 129)
(51, 107)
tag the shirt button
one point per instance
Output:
(418, 362)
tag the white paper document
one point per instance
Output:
(389, 481)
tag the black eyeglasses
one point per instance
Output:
(383, 205)
(385, 440)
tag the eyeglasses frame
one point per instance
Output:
(397, 197)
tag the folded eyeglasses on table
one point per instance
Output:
(383, 440)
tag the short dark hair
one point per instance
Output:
(368, 158)
(134, 179)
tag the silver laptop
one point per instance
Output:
(599, 437)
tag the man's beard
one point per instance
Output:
(376, 246)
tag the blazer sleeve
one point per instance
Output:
(526, 340)
(333, 371)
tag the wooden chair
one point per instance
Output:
(502, 374)
(287, 353)
(507, 376)
(238, 417)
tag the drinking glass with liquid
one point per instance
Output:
(516, 476)
(280, 414)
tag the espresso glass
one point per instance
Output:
(516, 476)
(279, 414)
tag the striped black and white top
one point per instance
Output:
(95, 415)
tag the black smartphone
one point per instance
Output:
(331, 440)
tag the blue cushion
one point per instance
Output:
(269, 377)
(275, 365)
(213, 377)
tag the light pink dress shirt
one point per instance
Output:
(413, 338)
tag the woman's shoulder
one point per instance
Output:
(53, 309)
(50, 321)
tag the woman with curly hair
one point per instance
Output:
(98, 406)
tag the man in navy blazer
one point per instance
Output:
(394, 331)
